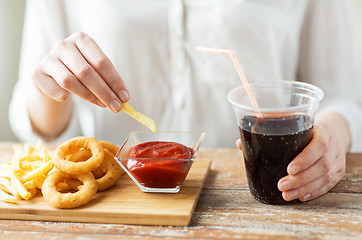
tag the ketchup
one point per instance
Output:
(160, 164)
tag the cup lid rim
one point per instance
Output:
(310, 87)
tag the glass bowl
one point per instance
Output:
(158, 175)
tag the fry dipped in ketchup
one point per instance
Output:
(160, 164)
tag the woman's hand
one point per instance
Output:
(77, 65)
(321, 165)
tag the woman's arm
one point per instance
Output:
(327, 60)
(56, 66)
(75, 65)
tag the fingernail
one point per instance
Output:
(307, 197)
(285, 186)
(123, 95)
(115, 106)
(238, 143)
(294, 170)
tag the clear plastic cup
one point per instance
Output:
(273, 134)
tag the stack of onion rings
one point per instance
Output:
(83, 166)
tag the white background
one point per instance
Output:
(11, 21)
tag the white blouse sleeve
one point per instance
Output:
(328, 59)
(44, 24)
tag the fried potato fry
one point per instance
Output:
(29, 166)
(37, 172)
(146, 121)
(8, 187)
(7, 197)
(24, 193)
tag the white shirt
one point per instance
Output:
(152, 45)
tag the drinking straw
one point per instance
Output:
(232, 54)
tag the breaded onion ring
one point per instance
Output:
(57, 199)
(108, 173)
(64, 152)
(110, 147)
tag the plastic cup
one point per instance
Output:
(273, 134)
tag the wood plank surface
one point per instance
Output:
(226, 210)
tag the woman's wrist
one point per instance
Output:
(336, 125)
(49, 118)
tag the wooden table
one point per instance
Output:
(226, 210)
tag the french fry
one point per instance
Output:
(30, 185)
(146, 121)
(9, 187)
(29, 166)
(2, 187)
(28, 149)
(39, 181)
(45, 155)
(24, 193)
(37, 172)
(33, 186)
(18, 152)
(7, 197)
(33, 192)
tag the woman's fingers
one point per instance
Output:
(321, 171)
(93, 54)
(77, 65)
(314, 151)
(66, 80)
(319, 191)
(315, 188)
(322, 168)
(71, 57)
(48, 86)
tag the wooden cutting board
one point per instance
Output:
(125, 203)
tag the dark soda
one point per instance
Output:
(269, 144)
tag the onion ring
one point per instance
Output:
(64, 152)
(110, 147)
(84, 154)
(108, 173)
(57, 199)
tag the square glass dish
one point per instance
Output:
(157, 162)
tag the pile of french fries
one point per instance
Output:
(23, 176)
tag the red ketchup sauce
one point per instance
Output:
(157, 164)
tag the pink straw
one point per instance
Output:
(238, 69)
